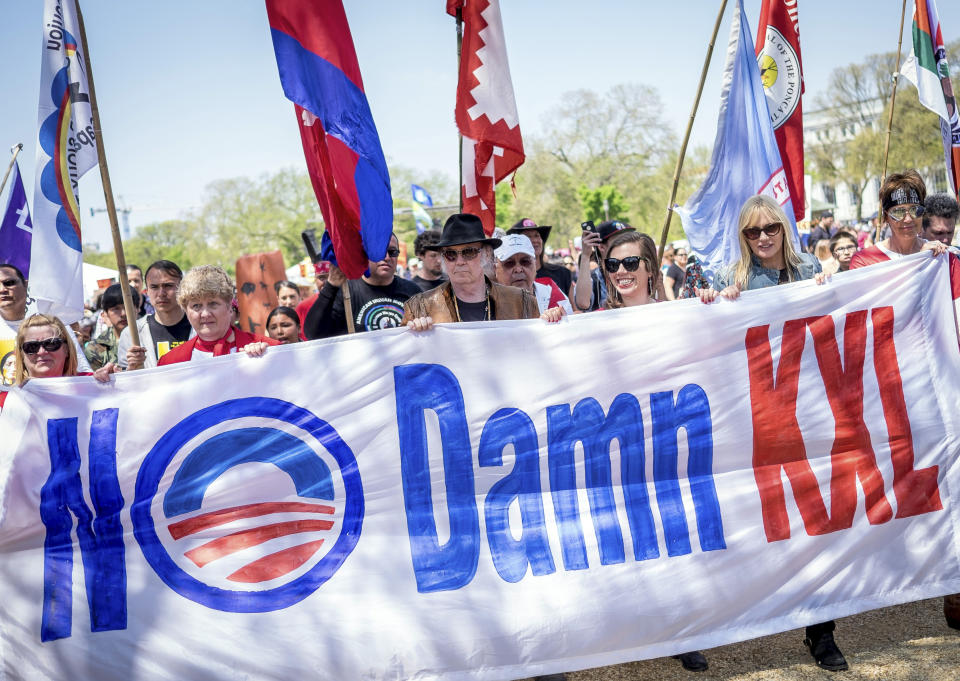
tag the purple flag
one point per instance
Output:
(16, 230)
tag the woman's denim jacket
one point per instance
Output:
(761, 277)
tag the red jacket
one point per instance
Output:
(241, 338)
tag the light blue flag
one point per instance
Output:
(421, 196)
(746, 159)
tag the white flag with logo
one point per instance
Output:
(66, 149)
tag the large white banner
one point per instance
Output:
(490, 500)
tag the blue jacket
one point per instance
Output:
(761, 277)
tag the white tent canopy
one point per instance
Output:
(94, 273)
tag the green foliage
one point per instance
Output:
(852, 99)
(592, 203)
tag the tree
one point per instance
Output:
(857, 104)
(603, 203)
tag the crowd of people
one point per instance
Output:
(460, 274)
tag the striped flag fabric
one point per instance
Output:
(321, 76)
(16, 228)
(926, 67)
(486, 109)
(66, 150)
(781, 70)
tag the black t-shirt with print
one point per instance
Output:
(166, 338)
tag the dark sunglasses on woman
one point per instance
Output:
(48, 344)
(631, 264)
(753, 233)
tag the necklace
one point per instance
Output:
(486, 306)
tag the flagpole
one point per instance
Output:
(893, 99)
(15, 150)
(108, 191)
(686, 136)
(459, 133)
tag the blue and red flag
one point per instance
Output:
(320, 75)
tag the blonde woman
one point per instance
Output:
(767, 255)
(767, 258)
(45, 349)
(206, 293)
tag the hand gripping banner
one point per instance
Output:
(398, 506)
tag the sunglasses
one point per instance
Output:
(630, 263)
(900, 212)
(9, 283)
(753, 233)
(451, 254)
(48, 344)
(393, 252)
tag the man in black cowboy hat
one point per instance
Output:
(467, 295)
(538, 235)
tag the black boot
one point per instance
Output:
(693, 662)
(824, 649)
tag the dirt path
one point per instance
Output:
(905, 643)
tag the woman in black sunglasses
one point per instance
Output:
(44, 350)
(632, 270)
(767, 254)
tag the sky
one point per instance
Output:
(189, 94)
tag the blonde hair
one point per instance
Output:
(205, 281)
(771, 211)
(822, 250)
(20, 373)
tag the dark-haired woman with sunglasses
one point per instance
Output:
(632, 271)
(767, 255)
(901, 199)
(44, 349)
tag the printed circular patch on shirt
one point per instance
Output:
(380, 313)
(780, 73)
(249, 505)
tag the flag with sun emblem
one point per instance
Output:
(778, 54)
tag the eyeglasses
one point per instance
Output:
(899, 213)
(48, 344)
(393, 252)
(525, 261)
(844, 249)
(631, 263)
(753, 233)
(451, 254)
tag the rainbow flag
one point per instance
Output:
(926, 67)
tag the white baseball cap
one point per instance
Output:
(513, 244)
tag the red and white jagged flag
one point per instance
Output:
(486, 110)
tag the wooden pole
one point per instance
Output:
(686, 136)
(15, 150)
(893, 99)
(348, 307)
(460, 134)
(108, 191)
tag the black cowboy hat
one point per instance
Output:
(526, 223)
(464, 228)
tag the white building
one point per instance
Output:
(824, 127)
